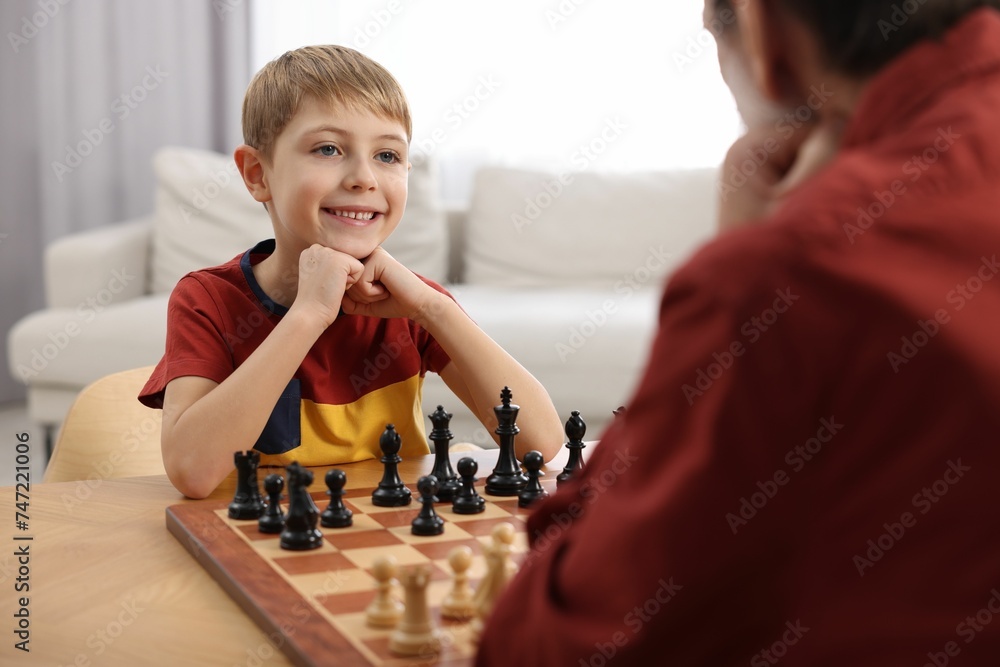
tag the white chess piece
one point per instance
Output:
(415, 634)
(459, 604)
(385, 610)
(499, 569)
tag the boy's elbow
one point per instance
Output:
(193, 479)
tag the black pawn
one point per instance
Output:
(336, 515)
(533, 491)
(247, 503)
(507, 478)
(391, 491)
(300, 531)
(575, 430)
(467, 501)
(427, 522)
(448, 484)
(273, 519)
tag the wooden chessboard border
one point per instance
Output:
(251, 582)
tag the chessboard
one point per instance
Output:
(311, 604)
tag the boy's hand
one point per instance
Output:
(386, 288)
(797, 158)
(324, 276)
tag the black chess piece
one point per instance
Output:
(247, 503)
(273, 519)
(427, 522)
(448, 483)
(391, 491)
(575, 430)
(467, 501)
(336, 515)
(507, 478)
(300, 533)
(532, 491)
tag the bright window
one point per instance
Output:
(560, 84)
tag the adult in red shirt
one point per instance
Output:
(808, 470)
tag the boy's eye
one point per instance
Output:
(328, 151)
(389, 157)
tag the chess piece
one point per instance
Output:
(336, 515)
(507, 478)
(498, 572)
(532, 491)
(273, 519)
(427, 522)
(415, 635)
(467, 501)
(300, 533)
(391, 491)
(385, 610)
(247, 503)
(575, 430)
(459, 603)
(448, 484)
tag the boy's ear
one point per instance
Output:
(251, 165)
(765, 44)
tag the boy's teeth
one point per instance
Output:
(366, 215)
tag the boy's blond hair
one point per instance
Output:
(328, 73)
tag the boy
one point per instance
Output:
(327, 133)
(830, 497)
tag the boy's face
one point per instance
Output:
(337, 177)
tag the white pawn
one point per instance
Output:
(499, 569)
(415, 634)
(459, 604)
(385, 610)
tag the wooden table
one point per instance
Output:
(110, 586)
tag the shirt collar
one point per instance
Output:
(262, 248)
(893, 96)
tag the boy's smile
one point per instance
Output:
(337, 177)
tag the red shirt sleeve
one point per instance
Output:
(196, 343)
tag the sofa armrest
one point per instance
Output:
(456, 217)
(107, 264)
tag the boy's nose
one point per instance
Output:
(360, 176)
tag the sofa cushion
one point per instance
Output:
(536, 229)
(205, 216)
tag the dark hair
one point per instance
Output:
(858, 37)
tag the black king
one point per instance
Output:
(507, 478)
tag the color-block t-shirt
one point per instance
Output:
(361, 374)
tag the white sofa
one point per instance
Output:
(563, 270)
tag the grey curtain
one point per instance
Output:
(91, 88)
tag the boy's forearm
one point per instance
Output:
(199, 444)
(486, 368)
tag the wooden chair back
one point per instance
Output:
(108, 433)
